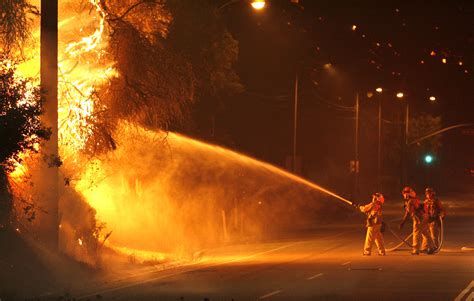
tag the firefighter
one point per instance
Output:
(415, 210)
(435, 211)
(373, 210)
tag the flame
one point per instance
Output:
(154, 202)
(83, 66)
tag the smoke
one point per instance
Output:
(171, 194)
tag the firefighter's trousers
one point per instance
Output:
(421, 232)
(433, 230)
(374, 235)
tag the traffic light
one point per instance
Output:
(428, 159)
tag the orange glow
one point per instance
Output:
(380, 90)
(444, 60)
(156, 199)
(354, 27)
(153, 211)
(400, 95)
(258, 5)
(432, 53)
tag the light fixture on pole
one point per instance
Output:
(258, 4)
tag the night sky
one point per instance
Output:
(422, 48)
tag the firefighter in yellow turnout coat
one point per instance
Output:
(373, 210)
(415, 210)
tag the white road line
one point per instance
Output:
(471, 297)
(198, 267)
(464, 292)
(315, 276)
(270, 294)
(346, 263)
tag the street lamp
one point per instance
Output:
(405, 141)
(399, 95)
(258, 5)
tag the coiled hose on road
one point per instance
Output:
(404, 240)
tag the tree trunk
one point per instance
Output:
(5, 202)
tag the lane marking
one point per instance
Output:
(465, 292)
(107, 290)
(471, 297)
(195, 267)
(346, 263)
(364, 269)
(315, 276)
(270, 294)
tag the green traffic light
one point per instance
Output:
(428, 159)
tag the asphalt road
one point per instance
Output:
(325, 264)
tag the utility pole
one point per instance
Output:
(379, 148)
(405, 146)
(295, 124)
(356, 150)
(49, 84)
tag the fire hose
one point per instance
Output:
(405, 240)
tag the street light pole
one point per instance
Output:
(379, 148)
(356, 150)
(295, 120)
(405, 145)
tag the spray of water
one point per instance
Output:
(172, 195)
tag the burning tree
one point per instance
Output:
(15, 23)
(20, 126)
(127, 69)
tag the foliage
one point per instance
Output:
(20, 109)
(155, 86)
(423, 125)
(199, 34)
(15, 22)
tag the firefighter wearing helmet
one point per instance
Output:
(415, 210)
(373, 210)
(435, 211)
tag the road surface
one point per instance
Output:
(325, 264)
